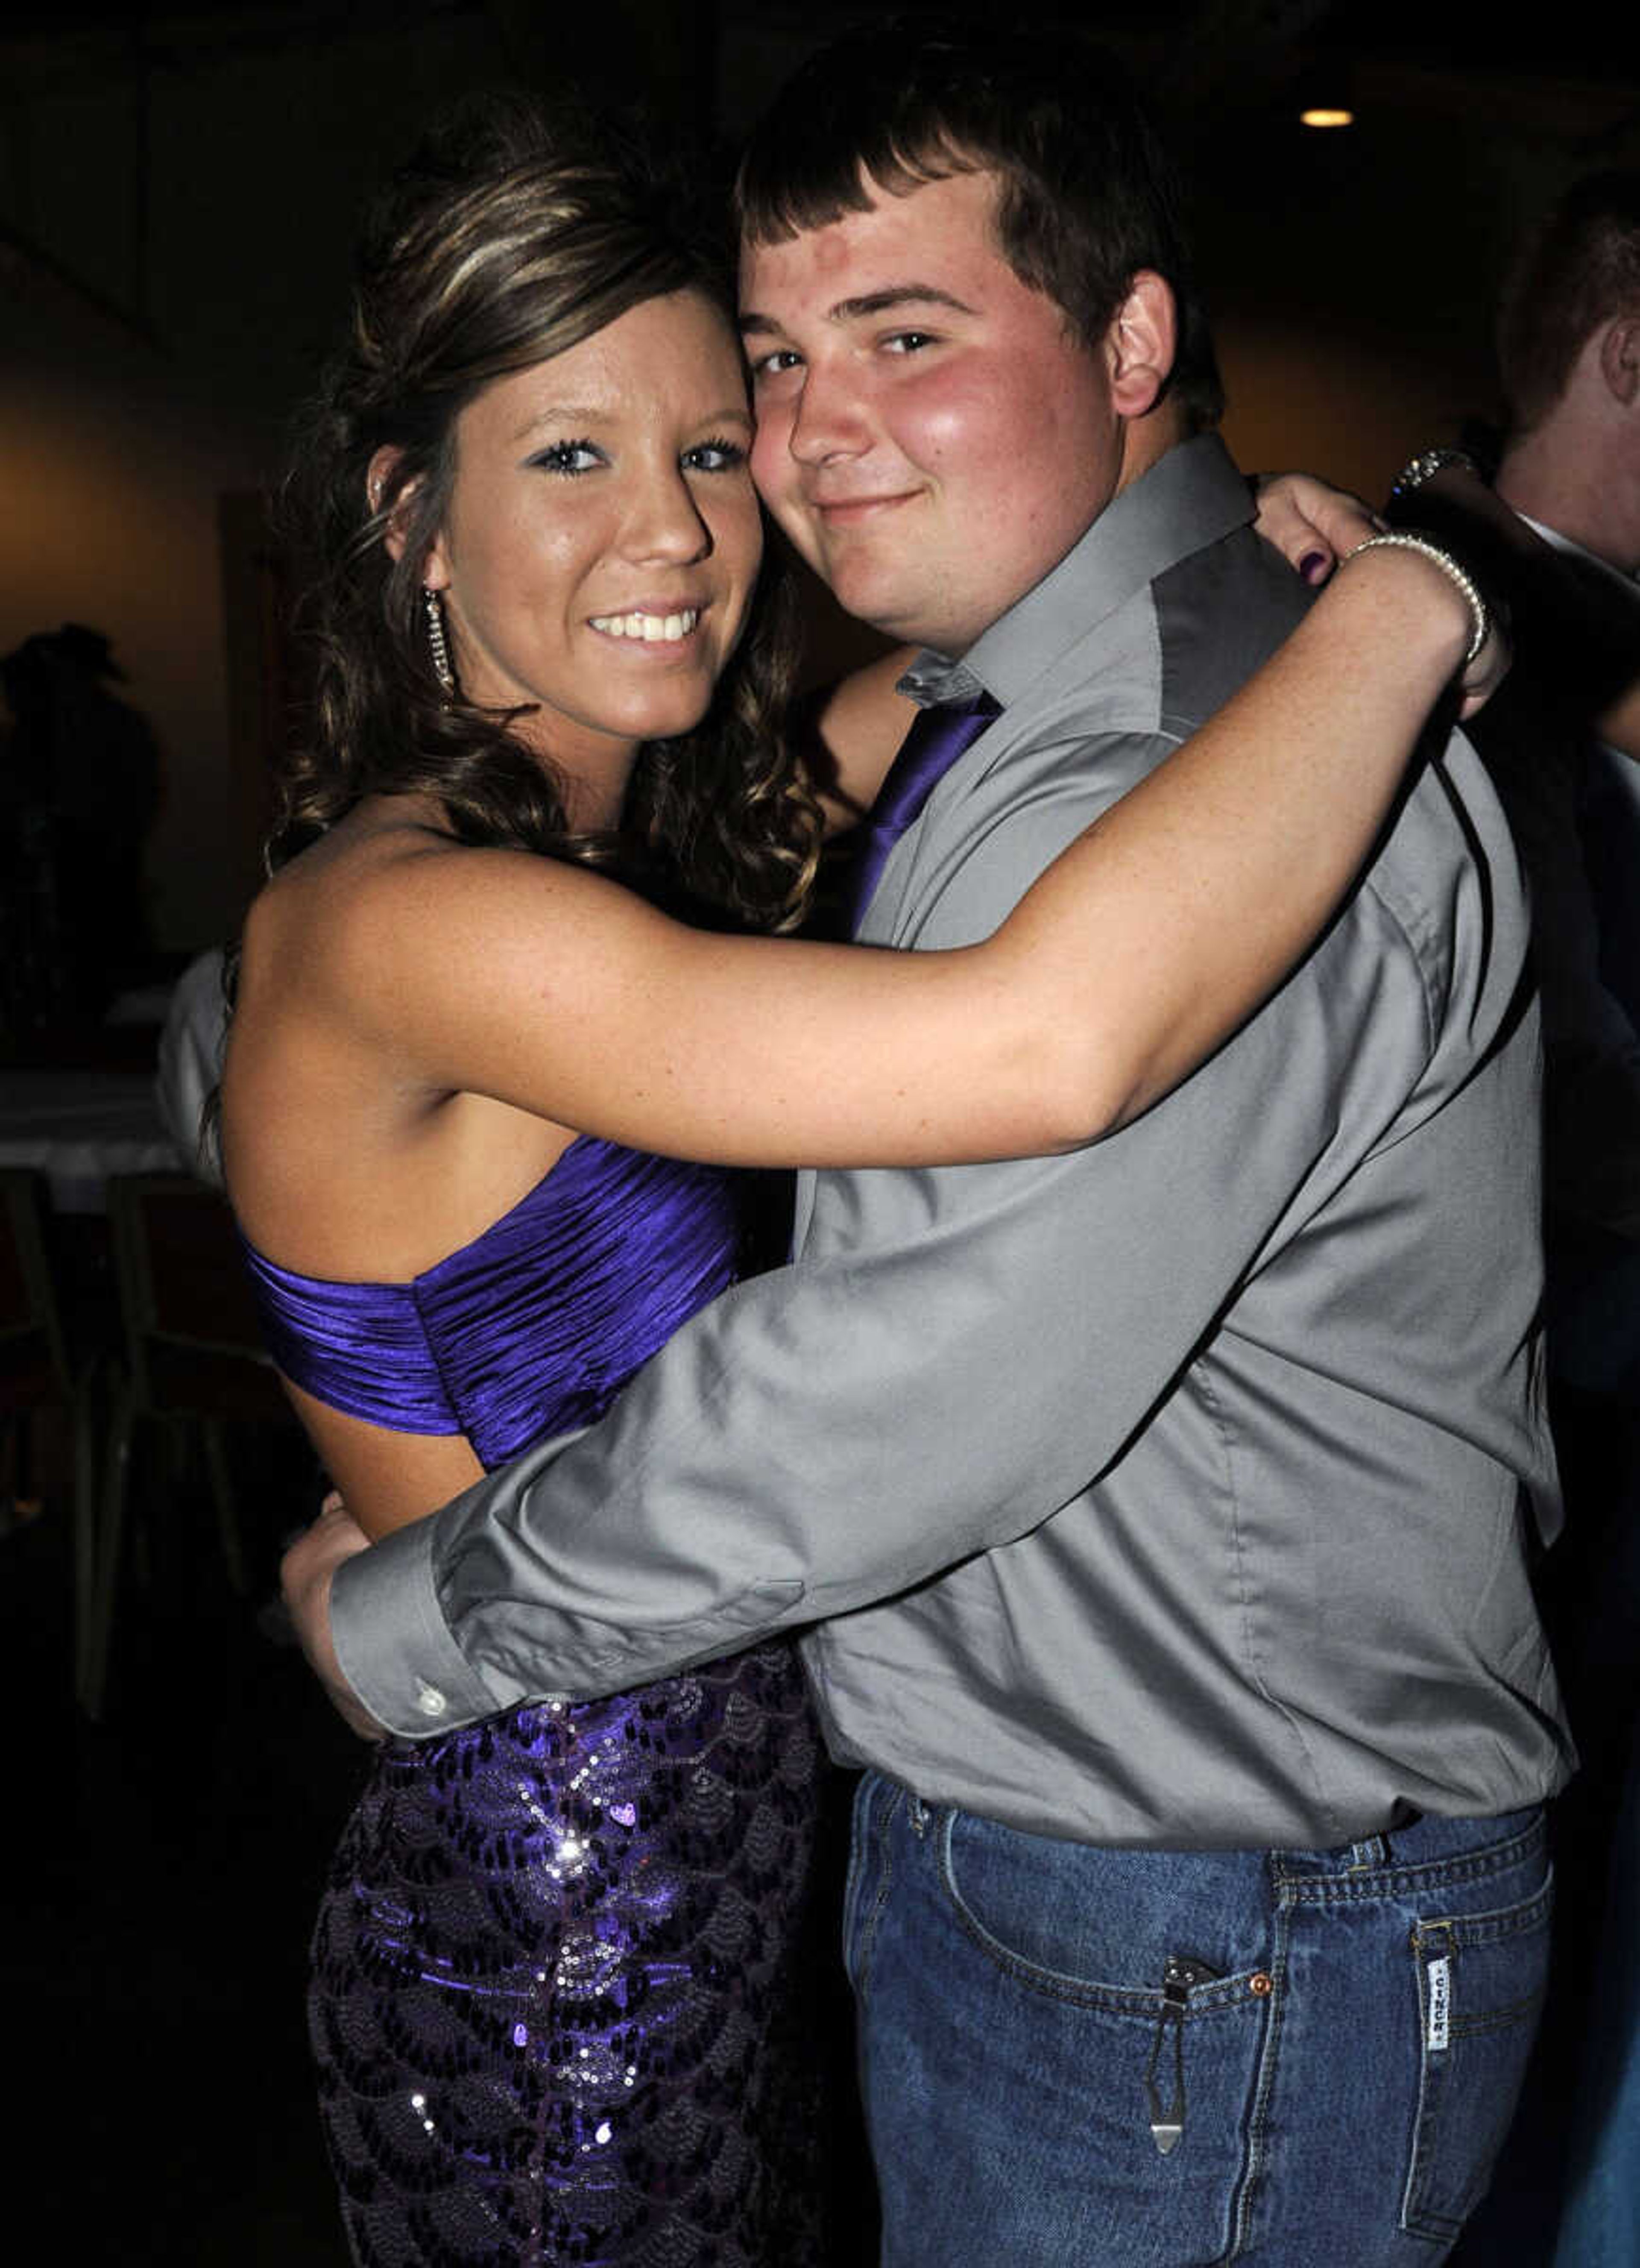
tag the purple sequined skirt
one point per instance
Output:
(558, 1984)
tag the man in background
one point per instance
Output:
(1568, 360)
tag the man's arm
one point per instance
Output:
(958, 1353)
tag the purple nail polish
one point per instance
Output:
(1313, 566)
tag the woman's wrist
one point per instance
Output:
(1451, 597)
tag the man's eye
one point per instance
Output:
(908, 341)
(568, 457)
(775, 363)
(714, 457)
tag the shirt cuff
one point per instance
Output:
(393, 1644)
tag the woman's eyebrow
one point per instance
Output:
(563, 413)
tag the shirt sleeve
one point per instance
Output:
(957, 1353)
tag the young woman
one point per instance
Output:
(553, 2001)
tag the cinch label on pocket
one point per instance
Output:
(1440, 1977)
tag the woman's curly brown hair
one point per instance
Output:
(509, 236)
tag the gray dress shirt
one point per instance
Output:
(1177, 1491)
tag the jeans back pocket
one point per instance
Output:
(1479, 1980)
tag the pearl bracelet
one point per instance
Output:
(1479, 620)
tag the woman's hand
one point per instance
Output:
(305, 1578)
(1315, 527)
(1311, 523)
(1479, 679)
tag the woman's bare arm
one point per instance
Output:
(1136, 954)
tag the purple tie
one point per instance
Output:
(938, 737)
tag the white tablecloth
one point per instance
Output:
(79, 1127)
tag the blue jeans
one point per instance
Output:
(1078, 2057)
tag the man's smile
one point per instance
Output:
(850, 511)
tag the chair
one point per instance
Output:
(193, 1364)
(35, 1375)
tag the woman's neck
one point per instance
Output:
(591, 777)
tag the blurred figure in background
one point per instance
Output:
(1559, 747)
(1568, 347)
(82, 772)
(1569, 352)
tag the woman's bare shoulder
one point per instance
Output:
(363, 904)
(351, 1150)
(314, 947)
(373, 840)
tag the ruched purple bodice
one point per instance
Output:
(557, 1995)
(534, 1327)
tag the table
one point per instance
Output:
(78, 1128)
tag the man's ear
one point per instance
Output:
(1620, 359)
(1141, 343)
(377, 480)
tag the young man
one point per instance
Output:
(1162, 1507)
(1569, 359)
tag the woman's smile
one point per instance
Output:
(606, 491)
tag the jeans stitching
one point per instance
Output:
(1422, 2123)
(1258, 2125)
(1499, 2020)
(1140, 2002)
(1410, 1879)
(1419, 2218)
(1251, 2187)
(1140, 2005)
(875, 1838)
(1490, 1928)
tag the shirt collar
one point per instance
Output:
(1190, 497)
(1568, 544)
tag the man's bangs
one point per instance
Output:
(804, 189)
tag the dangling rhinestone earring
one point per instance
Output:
(435, 643)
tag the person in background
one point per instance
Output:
(81, 791)
(1561, 746)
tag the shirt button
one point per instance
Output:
(430, 1700)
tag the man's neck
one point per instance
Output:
(1147, 440)
(1572, 489)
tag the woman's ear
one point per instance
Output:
(378, 481)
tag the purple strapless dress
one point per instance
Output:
(558, 1972)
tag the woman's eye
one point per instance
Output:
(715, 457)
(568, 457)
